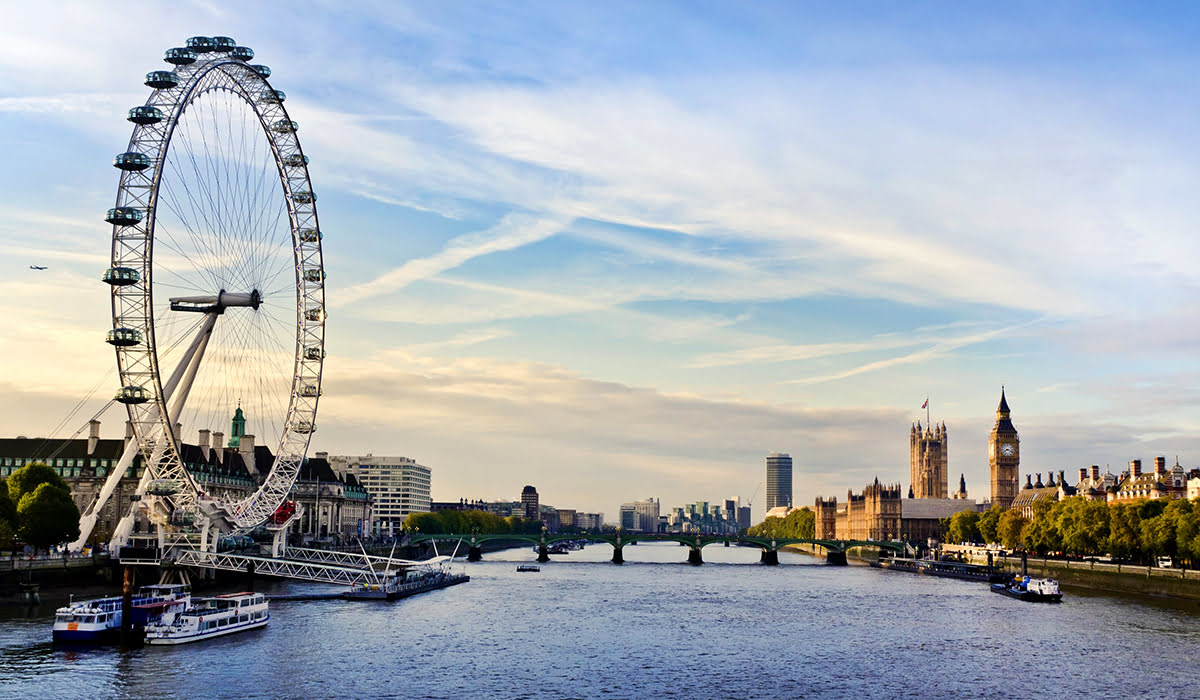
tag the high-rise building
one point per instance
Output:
(398, 487)
(529, 499)
(641, 516)
(928, 462)
(779, 480)
(1004, 457)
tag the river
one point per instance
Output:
(654, 627)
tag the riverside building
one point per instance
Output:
(398, 486)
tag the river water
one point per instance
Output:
(654, 627)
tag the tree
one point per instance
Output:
(8, 517)
(988, 524)
(799, 524)
(29, 477)
(48, 516)
(1083, 525)
(1010, 528)
(964, 527)
(1124, 530)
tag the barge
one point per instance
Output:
(944, 569)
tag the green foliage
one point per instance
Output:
(799, 524)
(964, 527)
(1124, 530)
(8, 517)
(1082, 525)
(47, 516)
(465, 522)
(29, 477)
(1010, 528)
(989, 523)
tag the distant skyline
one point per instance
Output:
(622, 249)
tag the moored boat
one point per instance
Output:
(528, 567)
(210, 617)
(1038, 590)
(402, 584)
(99, 620)
(944, 569)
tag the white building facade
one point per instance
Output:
(398, 487)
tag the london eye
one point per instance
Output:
(217, 285)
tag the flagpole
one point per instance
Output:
(926, 409)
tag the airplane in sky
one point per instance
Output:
(37, 267)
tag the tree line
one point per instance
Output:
(799, 524)
(449, 522)
(1137, 531)
(36, 508)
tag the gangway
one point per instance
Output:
(322, 556)
(286, 568)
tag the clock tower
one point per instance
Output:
(1004, 457)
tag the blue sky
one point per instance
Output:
(621, 250)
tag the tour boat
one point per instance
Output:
(210, 617)
(1043, 590)
(528, 567)
(99, 620)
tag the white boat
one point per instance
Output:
(98, 620)
(210, 617)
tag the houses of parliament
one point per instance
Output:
(882, 511)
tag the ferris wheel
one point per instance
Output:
(217, 283)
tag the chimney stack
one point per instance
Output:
(246, 447)
(205, 441)
(179, 431)
(1050, 479)
(1095, 471)
(1160, 465)
(1028, 481)
(1038, 484)
(93, 436)
(1062, 477)
(1083, 474)
(219, 446)
(1135, 468)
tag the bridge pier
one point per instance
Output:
(475, 553)
(770, 557)
(618, 555)
(835, 558)
(543, 554)
(694, 557)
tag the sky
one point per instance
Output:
(626, 250)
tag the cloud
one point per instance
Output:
(513, 231)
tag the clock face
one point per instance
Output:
(1007, 449)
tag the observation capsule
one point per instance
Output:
(310, 390)
(180, 56)
(309, 235)
(161, 79)
(317, 315)
(223, 44)
(261, 70)
(241, 53)
(303, 427)
(145, 115)
(123, 337)
(272, 96)
(132, 161)
(123, 216)
(200, 44)
(122, 276)
(285, 126)
(314, 353)
(295, 160)
(314, 275)
(303, 197)
(132, 395)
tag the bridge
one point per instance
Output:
(835, 550)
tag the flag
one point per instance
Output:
(926, 404)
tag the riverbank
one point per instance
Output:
(1125, 579)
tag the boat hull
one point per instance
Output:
(1028, 596)
(188, 638)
